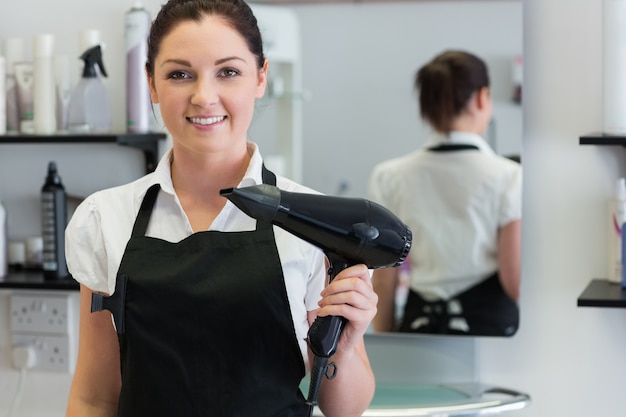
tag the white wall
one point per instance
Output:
(570, 359)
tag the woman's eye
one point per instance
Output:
(178, 75)
(229, 72)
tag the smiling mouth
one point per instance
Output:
(205, 121)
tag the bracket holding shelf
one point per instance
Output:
(602, 139)
(146, 142)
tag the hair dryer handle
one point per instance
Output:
(325, 331)
(324, 335)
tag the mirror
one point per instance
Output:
(358, 65)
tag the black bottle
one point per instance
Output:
(54, 220)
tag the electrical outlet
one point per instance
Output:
(53, 353)
(40, 313)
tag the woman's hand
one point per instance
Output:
(351, 296)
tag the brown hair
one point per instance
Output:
(446, 84)
(236, 12)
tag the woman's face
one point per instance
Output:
(206, 82)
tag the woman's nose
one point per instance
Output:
(204, 92)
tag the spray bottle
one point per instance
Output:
(617, 219)
(54, 221)
(89, 109)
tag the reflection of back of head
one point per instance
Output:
(446, 84)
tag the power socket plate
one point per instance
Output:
(40, 313)
(53, 352)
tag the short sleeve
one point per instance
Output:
(84, 247)
(511, 203)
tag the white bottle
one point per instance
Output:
(44, 94)
(3, 95)
(617, 219)
(63, 90)
(14, 52)
(4, 250)
(614, 64)
(138, 104)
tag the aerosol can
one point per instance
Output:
(89, 108)
(138, 106)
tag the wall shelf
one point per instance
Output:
(598, 138)
(602, 293)
(146, 142)
(34, 280)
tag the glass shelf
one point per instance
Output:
(603, 293)
(146, 142)
(34, 280)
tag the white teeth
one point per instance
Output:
(206, 121)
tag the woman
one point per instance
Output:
(463, 204)
(216, 305)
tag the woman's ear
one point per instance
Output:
(262, 80)
(153, 94)
(482, 97)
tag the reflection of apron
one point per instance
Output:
(207, 329)
(484, 309)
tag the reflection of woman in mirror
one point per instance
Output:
(463, 204)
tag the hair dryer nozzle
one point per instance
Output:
(353, 229)
(259, 202)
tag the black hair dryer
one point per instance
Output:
(350, 231)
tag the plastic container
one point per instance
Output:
(4, 250)
(54, 221)
(138, 104)
(3, 96)
(44, 94)
(617, 217)
(614, 51)
(63, 90)
(14, 52)
(89, 109)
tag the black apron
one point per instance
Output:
(485, 309)
(206, 327)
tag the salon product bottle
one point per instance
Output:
(3, 95)
(44, 96)
(54, 221)
(63, 90)
(14, 52)
(137, 27)
(4, 250)
(89, 108)
(614, 66)
(617, 219)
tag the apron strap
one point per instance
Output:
(451, 147)
(145, 211)
(269, 178)
(143, 217)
